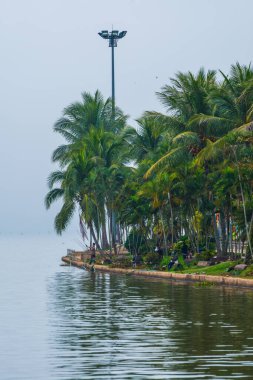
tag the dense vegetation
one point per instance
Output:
(184, 177)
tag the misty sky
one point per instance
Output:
(50, 53)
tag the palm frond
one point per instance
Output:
(187, 138)
(168, 160)
(61, 153)
(55, 177)
(52, 196)
(63, 218)
(210, 125)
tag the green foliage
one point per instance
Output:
(164, 262)
(205, 255)
(248, 272)
(197, 220)
(181, 246)
(215, 270)
(151, 259)
(137, 243)
(178, 173)
(180, 265)
(122, 262)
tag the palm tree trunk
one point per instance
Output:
(104, 239)
(118, 227)
(164, 234)
(90, 238)
(94, 236)
(105, 243)
(224, 239)
(249, 249)
(172, 220)
(216, 236)
(113, 230)
(109, 230)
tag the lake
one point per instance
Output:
(62, 323)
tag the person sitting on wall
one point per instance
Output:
(173, 261)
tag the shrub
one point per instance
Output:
(151, 259)
(121, 262)
(181, 264)
(164, 262)
(182, 246)
(137, 244)
(206, 255)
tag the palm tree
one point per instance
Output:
(208, 112)
(173, 173)
(186, 96)
(73, 188)
(79, 117)
(89, 161)
(232, 103)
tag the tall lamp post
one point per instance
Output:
(113, 38)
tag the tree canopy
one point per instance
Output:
(187, 172)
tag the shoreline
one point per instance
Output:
(200, 278)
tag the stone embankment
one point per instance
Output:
(220, 280)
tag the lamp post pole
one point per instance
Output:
(113, 38)
(113, 85)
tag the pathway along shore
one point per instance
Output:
(220, 280)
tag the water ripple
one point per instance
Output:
(119, 327)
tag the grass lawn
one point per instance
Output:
(214, 270)
(221, 270)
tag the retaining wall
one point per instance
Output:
(221, 280)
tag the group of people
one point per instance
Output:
(158, 250)
(187, 254)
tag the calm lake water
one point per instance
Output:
(61, 323)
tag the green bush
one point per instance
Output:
(164, 262)
(181, 264)
(182, 246)
(248, 272)
(137, 244)
(206, 255)
(151, 259)
(122, 262)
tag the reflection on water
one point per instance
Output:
(121, 327)
(61, 323)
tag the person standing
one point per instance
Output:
(93, 254)
(159, 251)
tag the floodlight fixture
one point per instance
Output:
(104, 34)
(112, 36)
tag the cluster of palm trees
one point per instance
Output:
(186, 172)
